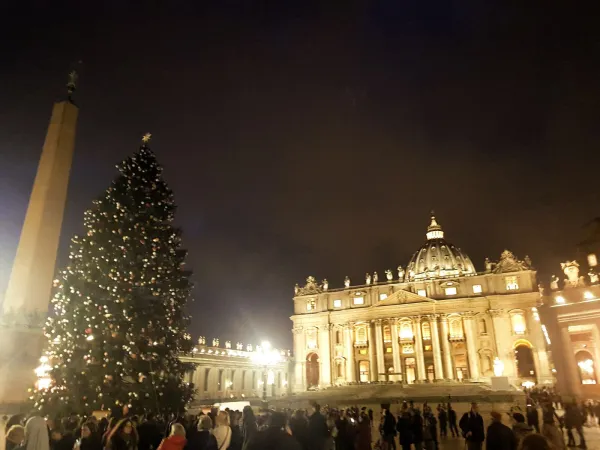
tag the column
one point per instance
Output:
(380, 351)
(324, 355)
(396, 351)
(299, 356)
(504, 341)
(373, 369)
(349, 348)
(471, 346)
(435, 344)
(573, 385)
(420, 357)
(543, 373)
(596, 337)
(446, 349)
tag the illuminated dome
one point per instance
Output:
(437, 258)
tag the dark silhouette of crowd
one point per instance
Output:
(412, 427)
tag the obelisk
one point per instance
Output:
(25, 306)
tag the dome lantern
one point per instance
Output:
(434, 230)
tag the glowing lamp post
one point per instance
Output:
(265, 356)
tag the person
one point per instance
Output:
(574, 418)
(203, 439)
(344, 439)
(111, 424)
(17, 419)
(36, 435)
(443, 419)
(236, 433)
(274, 437)
(318, 431)
(403, 425)
(299, 429)
(429, 430)
(533, 418)
(549, 428)
(535, 442)
(452, 421)
(176, 439)
(471, 424)
(499, 436)
(90, 439)
(363, 432)
(15, 437)
(389, 430)
(222, 431)
(149, 433)
(416, 428)
(520, 428)
(123, 436)
(249, 427)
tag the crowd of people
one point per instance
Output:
(316, 429)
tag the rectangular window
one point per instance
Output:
(337, 303)
(388, 350)
(512, 283)
(450, 291)
(422, 292)
(311, 305)
(382, 296)
(477, 289)
(359, 300)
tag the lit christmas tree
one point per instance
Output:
(119, 324)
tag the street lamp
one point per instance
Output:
(266, 356)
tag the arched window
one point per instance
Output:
(518, 322)
(456, 329)
(361, 334)
(387, 333)
(426, 329)
(406, 330)
(482, 326)
(587, 369)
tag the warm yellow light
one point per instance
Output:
(588, 295)
(266, 346)
(586, 366)
(90, 337)
(560, 300)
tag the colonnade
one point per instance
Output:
(337, 343)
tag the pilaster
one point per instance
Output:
(373, 369)
(325, 355)
(504, 341)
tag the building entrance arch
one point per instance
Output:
(312, 370)
(525, 361)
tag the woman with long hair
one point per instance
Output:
(222, 431)
(123, 436)
(90, 439)
(249, 427)
(176, 440)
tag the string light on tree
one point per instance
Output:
(119, 319)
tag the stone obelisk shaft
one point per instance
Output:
(29, 289)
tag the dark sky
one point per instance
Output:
(312, 138)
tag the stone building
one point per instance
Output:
(223, 373)
(435, 319)
(571, 319)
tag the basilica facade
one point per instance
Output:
(437, 318)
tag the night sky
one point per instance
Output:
(312, 138)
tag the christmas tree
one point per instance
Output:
(119, 325)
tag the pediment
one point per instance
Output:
(403, 297)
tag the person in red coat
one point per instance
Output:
(176, 441)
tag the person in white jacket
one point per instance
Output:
(222, 430)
